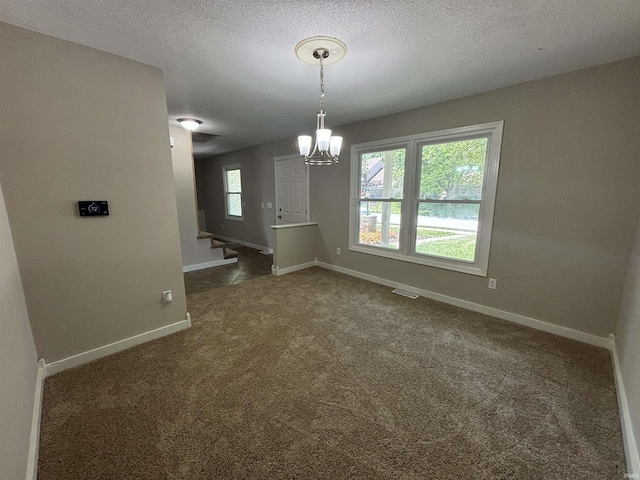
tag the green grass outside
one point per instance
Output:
(428, 233)
(459, 248)
(463, 248)
(424, 233)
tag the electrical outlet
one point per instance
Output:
(492, 283)
(338, 250)
(269, 205)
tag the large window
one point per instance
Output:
(427, 198)
(380, 200)
(232, 192)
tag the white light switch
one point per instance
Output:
(166, 297)
(269, 205)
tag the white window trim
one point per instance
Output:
(225, 168)
(493, 131)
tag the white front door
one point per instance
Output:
(292, 190)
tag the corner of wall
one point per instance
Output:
(626, 420)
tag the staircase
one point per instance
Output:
(227, 252)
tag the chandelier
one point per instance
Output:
(326, 149)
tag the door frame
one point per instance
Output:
(281, 158)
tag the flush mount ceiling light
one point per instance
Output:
(320, 51)
(189, 123)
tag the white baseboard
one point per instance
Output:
(283, 271)
(628, 438)
(96, 353)
(34, 441)
(512, 317)
(246, 244)
(214, 263)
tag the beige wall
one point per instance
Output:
(194, 251)
(80, 124)
(18, 359)
(296, 245)
(567, 203)
(258, 185)
(628, 341)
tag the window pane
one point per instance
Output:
(380, 224)
(382, 174)
(453, 170)
(447, 230)
(233, 181)
(234, 204)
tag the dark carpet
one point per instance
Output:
(317, 375)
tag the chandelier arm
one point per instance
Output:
(324, 156)
(328, 160)
(315, 147)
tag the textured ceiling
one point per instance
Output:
(231, 64)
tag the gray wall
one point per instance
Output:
(295, 245)
(18, 359)
(258, 185)
(567, 203)
(194, 251)
(628, 339)
(80, 124)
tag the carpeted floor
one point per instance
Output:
(320, 375)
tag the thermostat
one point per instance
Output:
(93, 208)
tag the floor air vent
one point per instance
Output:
(404, 293)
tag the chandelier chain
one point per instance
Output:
(321, 84)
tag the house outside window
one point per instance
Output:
(232, 192)
(427, 198)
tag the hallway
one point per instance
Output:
(251, 264)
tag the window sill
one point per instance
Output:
(436, 262)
